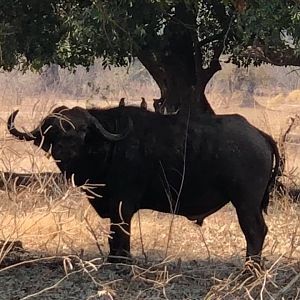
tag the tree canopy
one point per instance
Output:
(179, 42)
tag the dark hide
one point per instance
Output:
(190, 166)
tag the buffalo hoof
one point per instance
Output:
(119, 259)
(253, 268)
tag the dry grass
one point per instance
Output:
(64, 242)
(201, 263)
(285, 101)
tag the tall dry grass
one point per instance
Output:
(53, 245)
(61, 234)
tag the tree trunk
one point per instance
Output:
(179, 84)
(50, 77)
(243, 84)
(177, 65)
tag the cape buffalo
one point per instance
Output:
(186, 164)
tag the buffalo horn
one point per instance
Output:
(20, 135)
(113, 137)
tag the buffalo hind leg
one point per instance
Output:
(255, 229)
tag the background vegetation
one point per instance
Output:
(64, 242)
(52, 245)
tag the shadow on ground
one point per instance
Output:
(36, 276)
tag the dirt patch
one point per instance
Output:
(74, 278)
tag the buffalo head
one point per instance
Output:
(64, 132)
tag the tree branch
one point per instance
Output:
(155, 67)
(282, 57)
(220, 13)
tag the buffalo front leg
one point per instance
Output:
(255, 229)
(120, 228)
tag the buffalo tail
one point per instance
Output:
(276, 171)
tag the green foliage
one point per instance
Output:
(70, 33)
(29, 32)
(271, 25)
